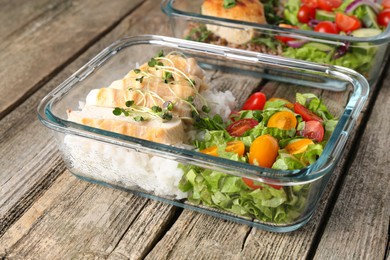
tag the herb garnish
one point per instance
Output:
(229, 3)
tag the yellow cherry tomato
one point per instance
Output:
(287, 104)
(237, 147)
(284, 120)
(298, 146)
(263, 151)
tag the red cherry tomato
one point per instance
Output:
(250, 183)
(385, 4)
(285, 38)
(306, 13)
(326, 27)
(305, 113)
(310, 3)
(347, 23)
(255, 102)
(329, 5)
(238, 128)
(313, 130)
(384, 17)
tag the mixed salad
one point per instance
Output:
(356, 18)
(273, 133)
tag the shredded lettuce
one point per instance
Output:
(230, 193)
(263, 202)
(359, 58)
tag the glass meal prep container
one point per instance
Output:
(156, 170)
(364, 50)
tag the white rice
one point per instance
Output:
(132, 169)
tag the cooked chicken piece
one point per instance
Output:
(171, 132)
(244, 10)
(110, 97)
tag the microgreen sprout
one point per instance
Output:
(168, 105)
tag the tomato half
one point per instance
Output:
(237, 147)
(384, 17)
(329, 5)
(326, 27)
(239, 127)
(256, 101)
(263, 151)
(313, 130)
(305, 113)
(250, 183)
(306, 13)
(385, 4)
(347, 23)
(284, 120)
(298, 146)
(310, 3)
(286, 38)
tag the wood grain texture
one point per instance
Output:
(78, 220)
(47, 213)
(360, 219)
(29, 159)
(51, 34)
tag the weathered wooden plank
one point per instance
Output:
(56, 33)
(360, 218)
(78, 220)
(29, 159)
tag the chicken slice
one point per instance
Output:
(170, 132)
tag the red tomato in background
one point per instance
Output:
(305, 113)
(313, 130)
(384, 17)
(306, 13)
(329, 5)
(238, 128)
(385, 4)
(326, 27)
(310, 3)
(286, 38)
(347, 23)
(250, 183)
(255, 102)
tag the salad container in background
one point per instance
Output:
(364, 50)
(133, 164)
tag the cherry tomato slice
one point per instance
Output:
(237, 147)
(263, 151)
(326, 27)
(250, 183)
(306, 114)
(329, 5)
(310, 3)
(347, 23)
(306, 13)
(239, 127)
(255, 102)
(384, 17)
(313, 130)
(285, 38)
(284, 120)
(298, 146)
(385, 4)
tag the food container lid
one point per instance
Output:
(190, 10)
(333, 78)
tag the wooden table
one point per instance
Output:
(47, 213)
